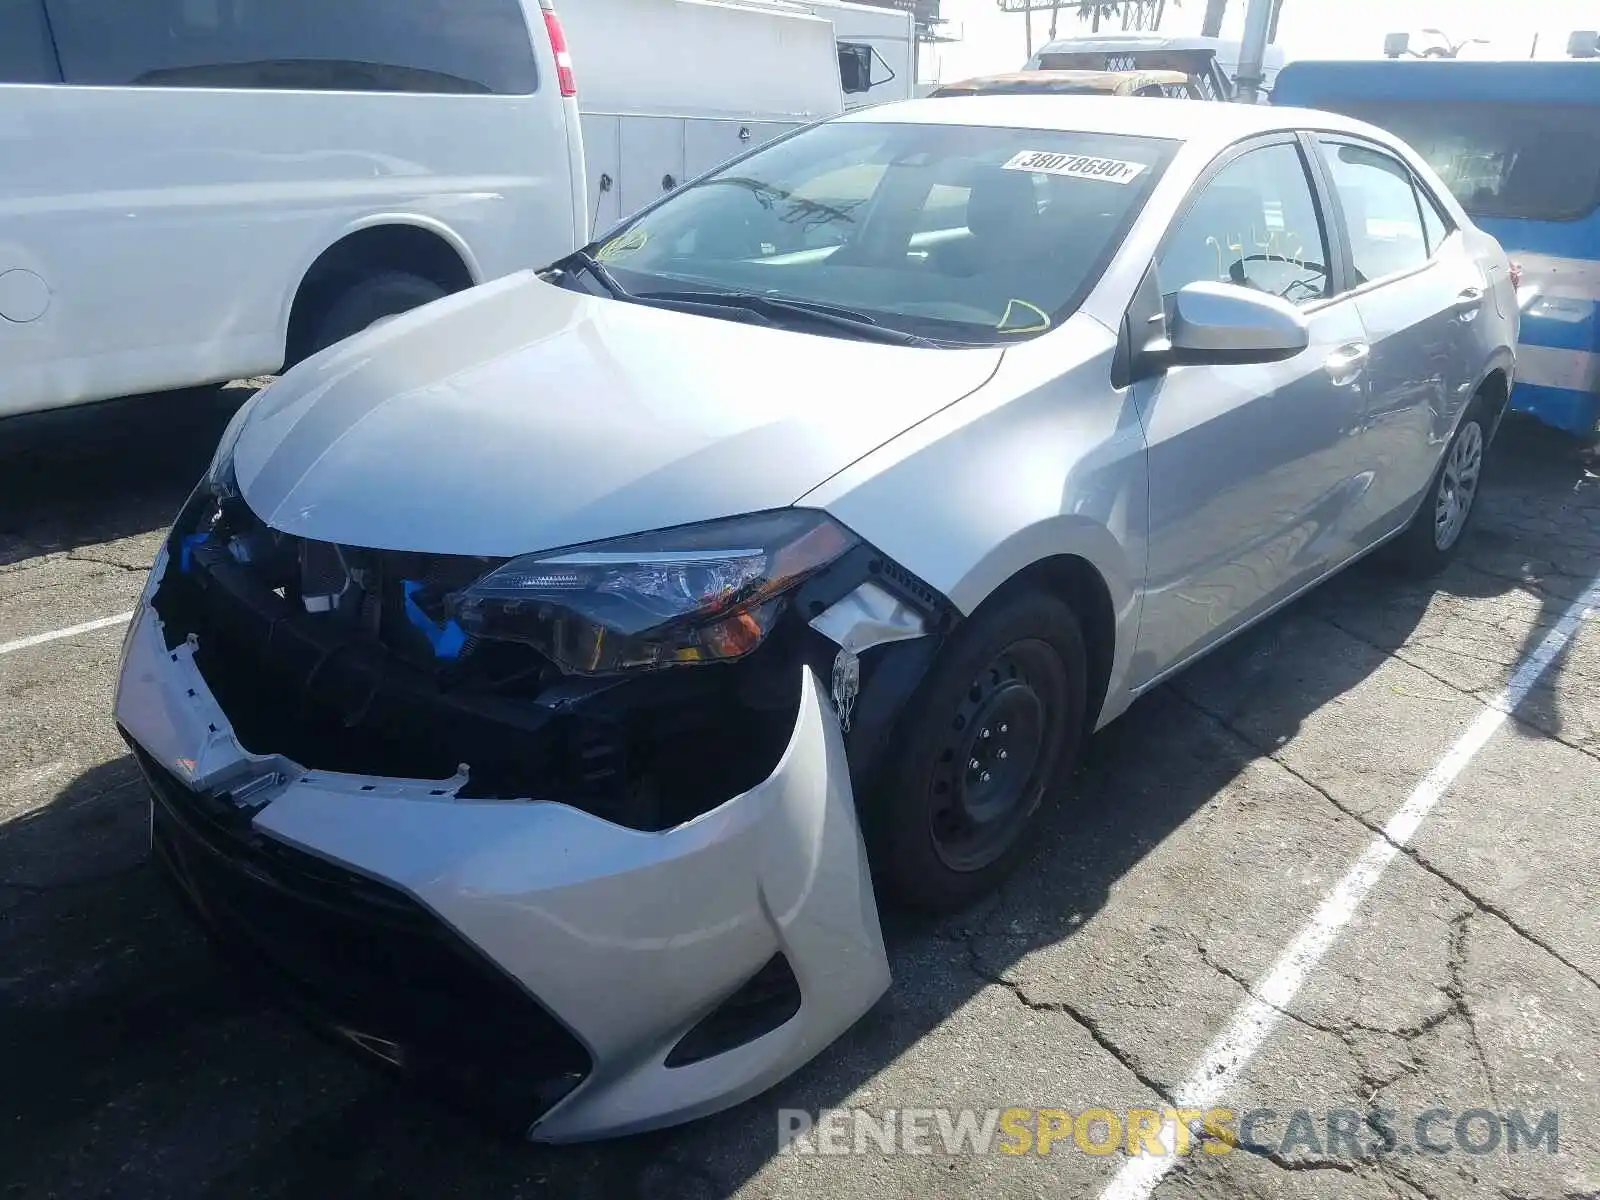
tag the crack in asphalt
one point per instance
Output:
(1456, 990)
(80, 557)
(1415, 855)
(1394, 1177)
(1125, 1060)
(1077, 1015)
(1398, 653)
(1343, 1031)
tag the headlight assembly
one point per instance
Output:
(696, 594)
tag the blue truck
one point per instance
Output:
(1519, 145)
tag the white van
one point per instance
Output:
(672, 88)
(200, 190)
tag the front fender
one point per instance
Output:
(1039, 463)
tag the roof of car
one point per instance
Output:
(1200, 121)
(1071, 82)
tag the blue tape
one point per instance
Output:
(186, 549)
(446, 639)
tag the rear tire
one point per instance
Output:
(369, 301)
(983, 751)
(1435, 533)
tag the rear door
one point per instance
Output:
(1253, 470)
(1420, 295)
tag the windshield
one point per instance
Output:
(1536, 162)
(953, 233)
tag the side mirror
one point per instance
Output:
(1222, 324)
(1583, 43)
(1396, 44)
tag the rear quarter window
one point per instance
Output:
(459, 46)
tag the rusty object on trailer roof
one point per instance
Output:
(1172, 84)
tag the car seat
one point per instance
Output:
(1003, 223)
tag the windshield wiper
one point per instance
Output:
(582, 260)
(779, 308)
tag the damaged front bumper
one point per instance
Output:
(574, 977)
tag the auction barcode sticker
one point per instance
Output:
(1076, 166)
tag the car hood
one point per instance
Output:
(520, 416)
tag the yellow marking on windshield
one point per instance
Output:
(1035, 327)
(623, 245)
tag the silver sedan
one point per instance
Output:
(544, 684)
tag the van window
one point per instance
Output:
(474, 46)
(1538, 162)
(25, 52)
(1381, 210)
(855, 68)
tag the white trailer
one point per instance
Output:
(668, 89)
(877, 49)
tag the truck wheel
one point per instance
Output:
(984, 750)
(369, 301)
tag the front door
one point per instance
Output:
(1254, 471)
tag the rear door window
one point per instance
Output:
(462, 46)
(25, 52)
(1382, 212)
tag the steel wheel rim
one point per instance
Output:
(1458, 486)
(999, 751)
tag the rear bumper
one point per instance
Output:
(524, 954)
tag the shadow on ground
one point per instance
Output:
(136, 1066)
(98, 473)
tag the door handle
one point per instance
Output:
(1468, 303)
(1344, 365)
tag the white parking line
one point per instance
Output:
(1219, 1068)
(55, 635)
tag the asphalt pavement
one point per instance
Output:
(1220, 909)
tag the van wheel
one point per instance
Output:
(983, 751)
(369, 301)
(1435, 532)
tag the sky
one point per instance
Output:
(995, 41)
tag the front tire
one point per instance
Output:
(982, 753)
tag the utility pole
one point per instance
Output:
(1253, 49)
